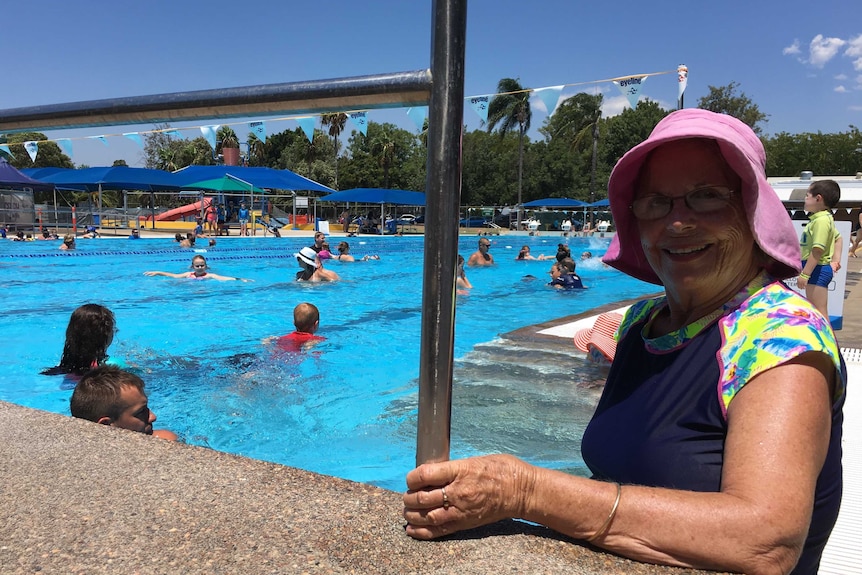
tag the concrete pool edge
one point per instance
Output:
(78, 497)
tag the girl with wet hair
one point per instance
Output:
(90, 332)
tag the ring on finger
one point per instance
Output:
(445, 498)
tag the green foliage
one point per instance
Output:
(226, 138)
(724, 100)
(49, 156)
(824, 154)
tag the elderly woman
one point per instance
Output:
(716, 443)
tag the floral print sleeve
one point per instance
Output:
(771, 327)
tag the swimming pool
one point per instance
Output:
(348, 408)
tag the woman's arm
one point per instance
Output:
(225, 278)
(778, 435)
(166, 274)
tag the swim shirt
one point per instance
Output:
(567, 281)
(819, 232)
(297, 340)
(662, 418)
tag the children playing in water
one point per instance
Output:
(199, 272)
(306, 320)
(89, 333)
(110, 396)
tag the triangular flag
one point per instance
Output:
(6, 149)
(135, 137)
(360, 120)
(307, 125)
(32, 149)
(175, 133)
(682, 75)
(259, 130)
(418, 116)
(100, 138)
(66, 144)
(480, 106)
(550, 97)
(209, 132)
(631, 88)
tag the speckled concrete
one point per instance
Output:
(80, 498)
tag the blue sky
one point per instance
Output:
(799, 61)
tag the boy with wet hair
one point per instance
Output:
(110, 396)
(306, 320)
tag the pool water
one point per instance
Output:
(347, 408)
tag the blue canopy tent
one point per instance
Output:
(112, 178)
(12, 177)
(380, 196)
(601, 203)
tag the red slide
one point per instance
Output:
(182, 211)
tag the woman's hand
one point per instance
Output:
(446, 497)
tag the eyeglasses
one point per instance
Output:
(701, 200)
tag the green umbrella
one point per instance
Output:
(229, 183)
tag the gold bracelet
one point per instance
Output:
(601, 530)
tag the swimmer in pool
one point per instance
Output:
(199, 272)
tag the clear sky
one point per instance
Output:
(799, 61)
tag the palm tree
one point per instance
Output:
(583, 112)
(336, 123)
(510, 108)
(256, 150)
(384, 148)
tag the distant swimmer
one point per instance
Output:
(199, 272)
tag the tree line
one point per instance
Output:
(573, 156)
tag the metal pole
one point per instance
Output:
(443, 192)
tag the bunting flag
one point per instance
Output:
(631, 88)
(32, 148)
(209, 132)
(682, 74)
(135, 137)
(550, 97)
(66, 144)
(480, 106)
(259, 130)
(307, 125)
(100, 138)
(176, 133)
(360, 120)
(418, 116)
(5, 148)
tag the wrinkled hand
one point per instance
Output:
(479, 490)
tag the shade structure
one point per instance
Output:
(11, 177)
(39, 173)
(600, 203)
(224, 184)
(113, 178)
(260, 177)
(377, 196)
(556, 203)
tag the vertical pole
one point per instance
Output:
(74, 222)
(443, 192)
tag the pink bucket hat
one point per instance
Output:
(742, 150)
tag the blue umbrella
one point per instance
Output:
(555, 203)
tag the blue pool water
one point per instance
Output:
(349, 408)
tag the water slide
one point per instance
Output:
(183, 211)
